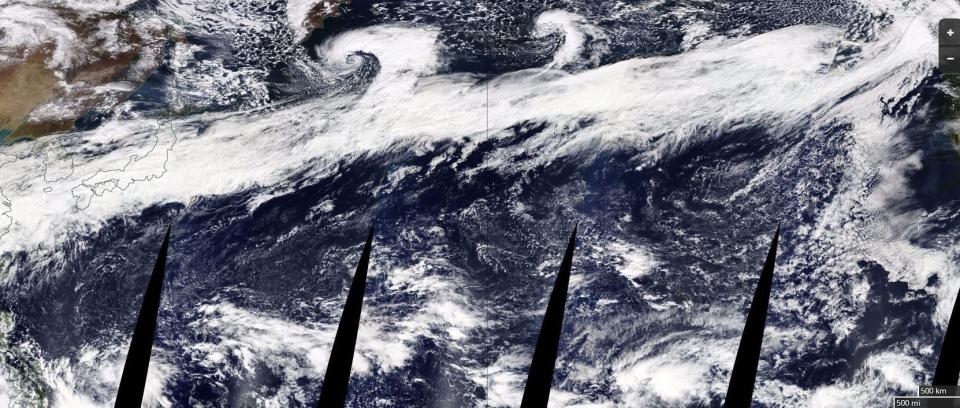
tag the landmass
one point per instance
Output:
(58, 64)
(308, 15)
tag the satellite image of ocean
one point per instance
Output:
(473, 136)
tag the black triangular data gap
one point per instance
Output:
(333, 394)
(948, 364)
(744, 374)
(130, 392)
(536, 393)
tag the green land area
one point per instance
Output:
(19, 369)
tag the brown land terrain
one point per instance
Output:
(321, 11)
(30, 89)
(23, 87)
(37, 99)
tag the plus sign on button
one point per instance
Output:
(950, 32)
